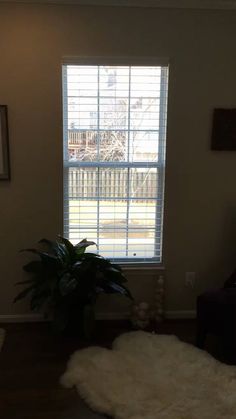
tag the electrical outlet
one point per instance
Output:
(190, 279)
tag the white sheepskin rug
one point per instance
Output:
(147, 376)
(2, 336)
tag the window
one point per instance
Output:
(114, 158)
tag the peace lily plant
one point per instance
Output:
(66, 281)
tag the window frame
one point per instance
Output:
(160, 165)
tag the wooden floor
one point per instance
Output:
(33, 359)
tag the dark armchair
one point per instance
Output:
(216, 314)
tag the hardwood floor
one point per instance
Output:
(33, 359)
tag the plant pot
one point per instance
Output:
(81, 321)
(88, 321)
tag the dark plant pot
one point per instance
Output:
(81, 321)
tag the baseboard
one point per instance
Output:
(113, 316)
(180, 314)
(169, 314)
(21, 318)
(26, 318)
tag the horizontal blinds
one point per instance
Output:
(114, 158)
(116, 61)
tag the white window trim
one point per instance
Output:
(119, 60)
(123, 61)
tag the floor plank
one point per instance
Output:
(33, 359)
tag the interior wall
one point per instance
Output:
(199, 225)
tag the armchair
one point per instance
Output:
(216, 314)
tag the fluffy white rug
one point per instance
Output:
(2, 336)
(149, 376)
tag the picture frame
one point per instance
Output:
(4, 144)
(224, 129)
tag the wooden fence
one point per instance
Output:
(111, 184)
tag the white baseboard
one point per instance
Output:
(27, 318)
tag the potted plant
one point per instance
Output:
(66, 280)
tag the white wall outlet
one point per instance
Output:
(190, 279)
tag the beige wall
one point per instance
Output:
(200, 226)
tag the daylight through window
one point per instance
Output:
(114, 158)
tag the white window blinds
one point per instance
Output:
(114, 158)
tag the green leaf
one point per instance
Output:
(58, 249)
(98, 263)
(78, 270)
(116, 266)
(35, 266)
(67, 284)
(114, 288)
(82, 245)
(38, 300)
(77, 264)
(114, 274)
(122, 290)
(23, 293)
(29, 250)
(27, 281)
(62, 252)
(52, 245)
(69, 246)
(89, 255)
(44, 256)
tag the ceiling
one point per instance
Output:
(179, 4)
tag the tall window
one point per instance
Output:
(114, 158)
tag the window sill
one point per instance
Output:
(142, 266)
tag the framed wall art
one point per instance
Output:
(224, 129)
(4, 145)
